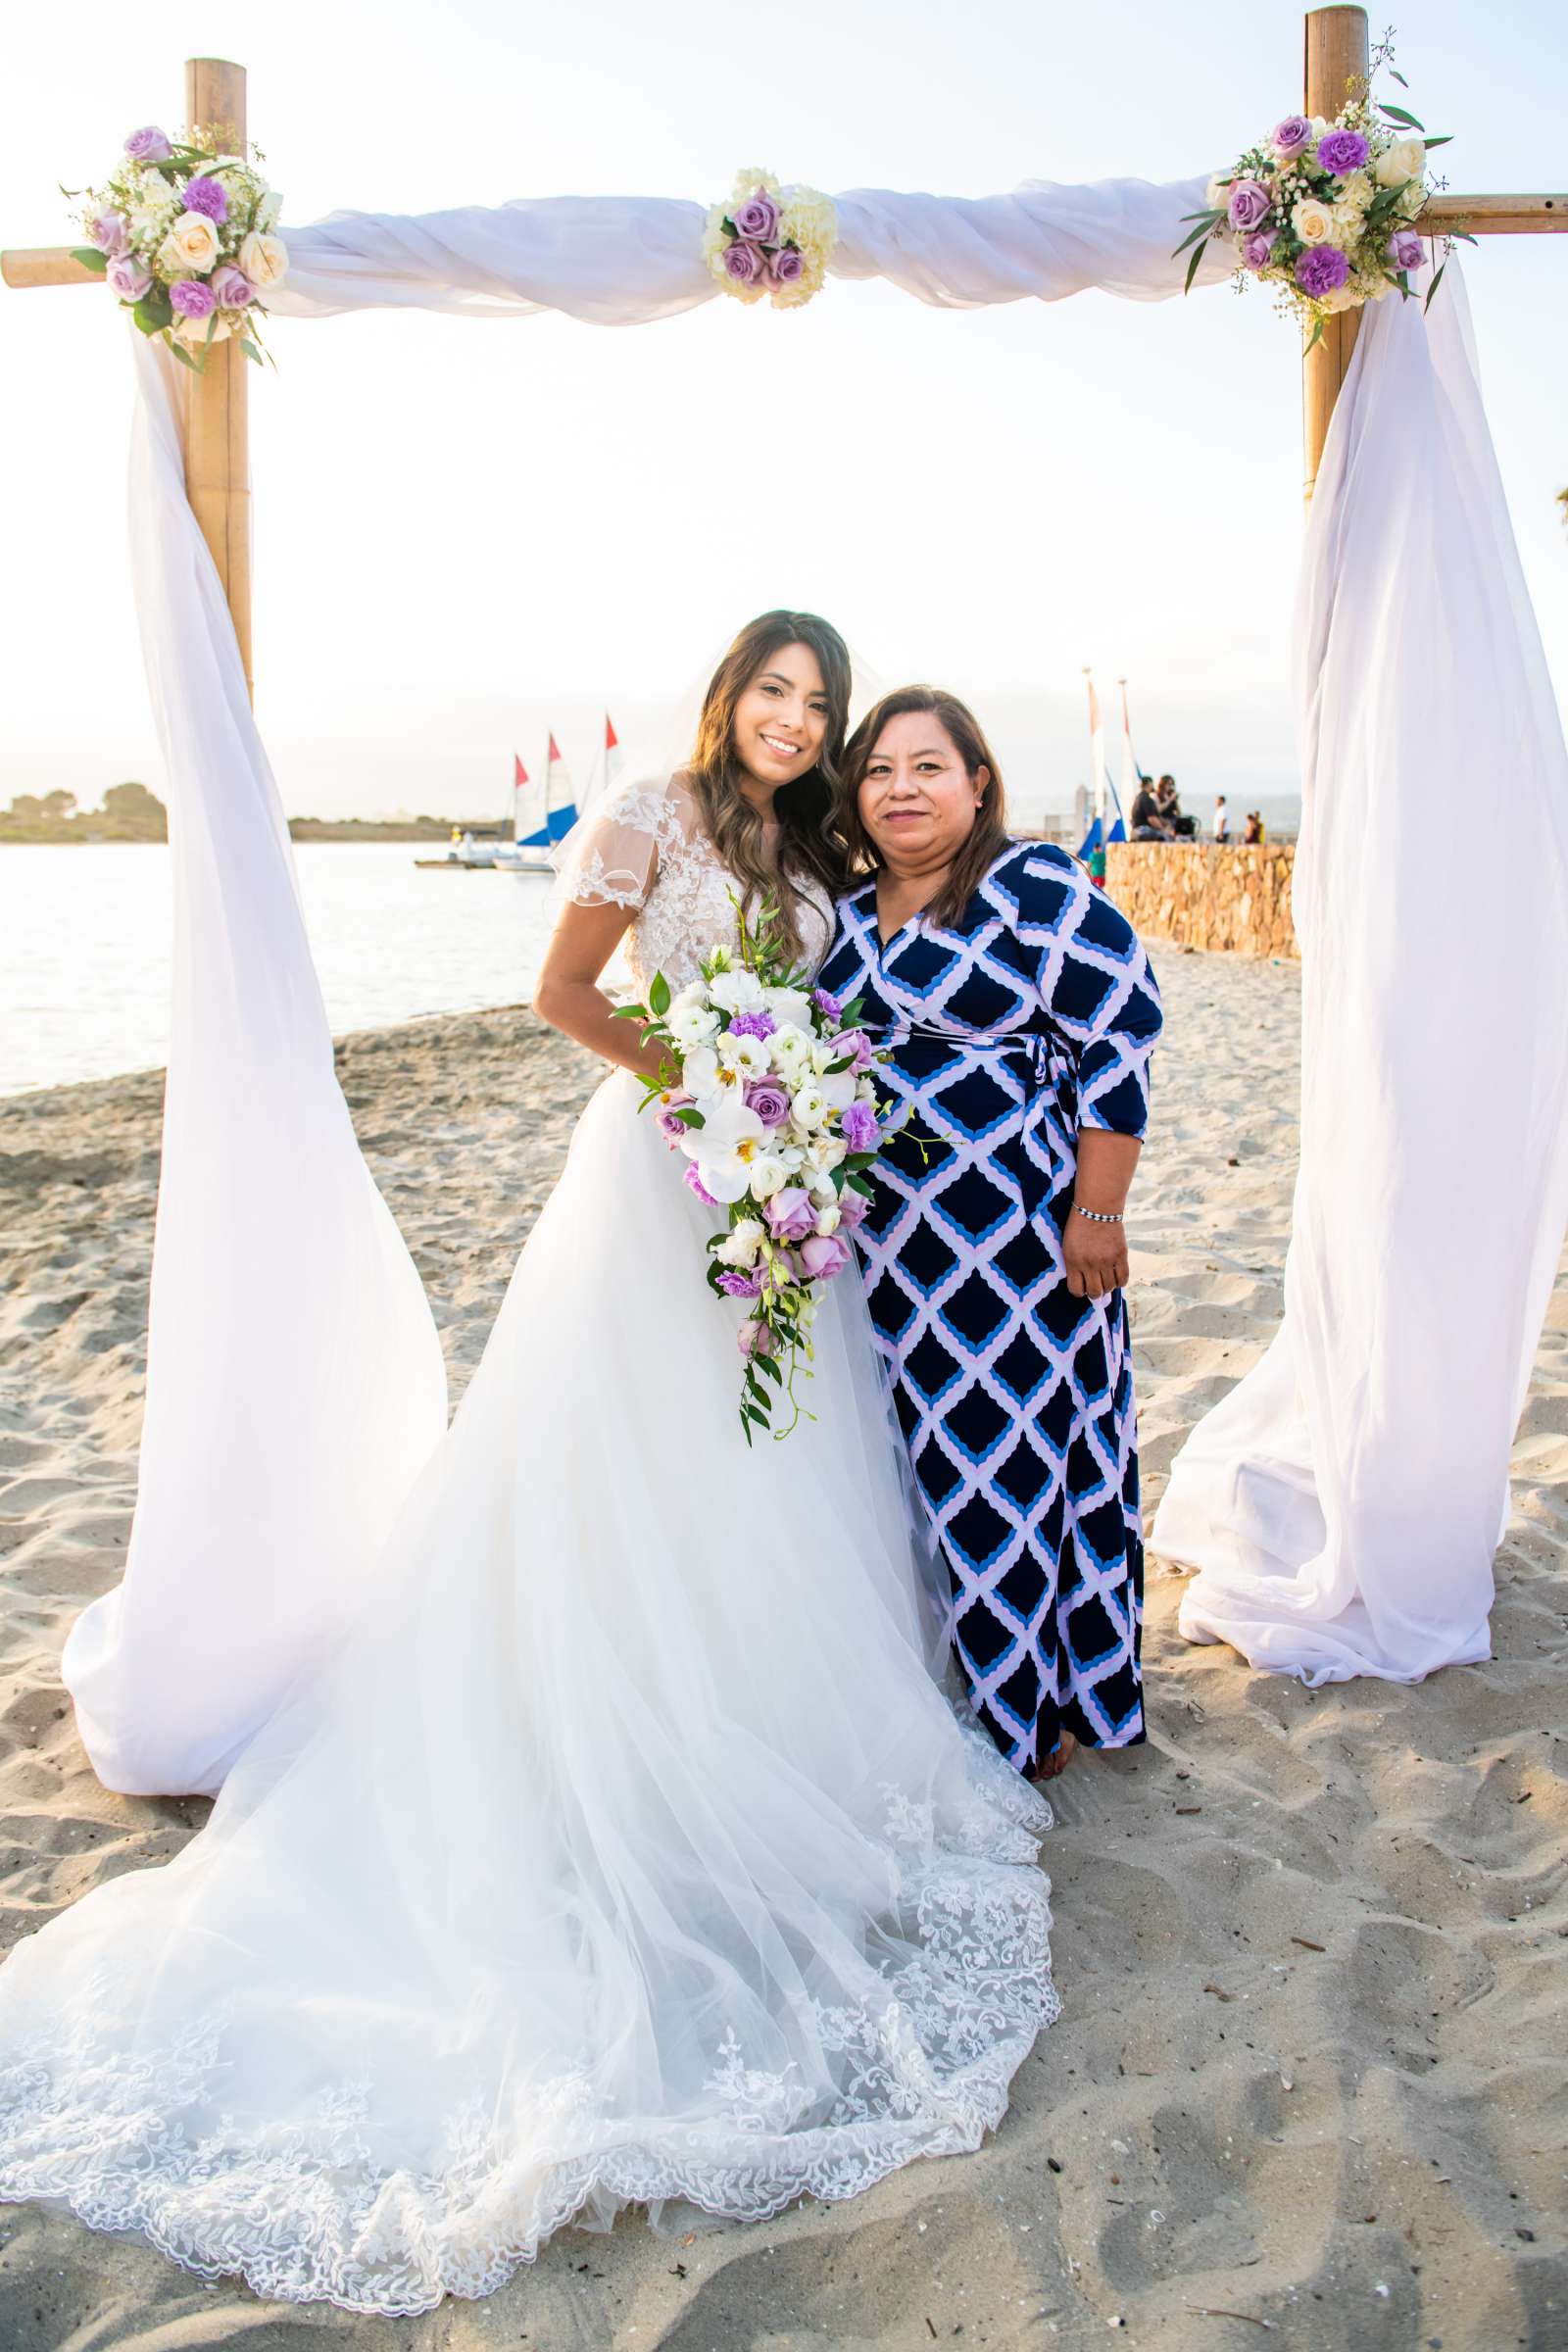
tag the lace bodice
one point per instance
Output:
(645, 848)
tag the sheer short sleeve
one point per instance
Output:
(611, 856)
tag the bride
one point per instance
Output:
(625, 1850)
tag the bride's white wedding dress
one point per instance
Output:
(625, 1850)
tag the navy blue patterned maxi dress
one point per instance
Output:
(1035, 1014)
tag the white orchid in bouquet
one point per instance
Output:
(1324, 210)
(766, 1089)
(185, 232)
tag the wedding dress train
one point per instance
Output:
(625, 1850)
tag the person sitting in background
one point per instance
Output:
(1181, 827)
(1254, 830)
(1222, 819)
(1148, 824)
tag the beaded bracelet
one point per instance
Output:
(1099, 1216)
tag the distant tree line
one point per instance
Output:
(131, 813)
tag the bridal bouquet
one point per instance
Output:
(766, 1090)
(1324, 210)
(771, 240)
(183, 233)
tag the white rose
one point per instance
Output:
(1401, 160)
(791, 1007)
(1312, 221)
(191, 245)
(770, 1175)
(831, 1149)
(828, 1220)
(742, 1242)
(264, 260)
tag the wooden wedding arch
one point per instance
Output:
(214, 403)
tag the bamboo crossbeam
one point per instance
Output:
(1494, 215)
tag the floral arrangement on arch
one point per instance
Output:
(182, 231)
(1324, 210)
(771, 240)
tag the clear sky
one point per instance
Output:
(467, 531)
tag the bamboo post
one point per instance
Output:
(216, 402)
(1336, 56)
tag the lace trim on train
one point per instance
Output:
(300, 2210)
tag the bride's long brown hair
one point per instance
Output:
(808, 843)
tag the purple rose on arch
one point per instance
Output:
(744, 264)
(1341, 152)
(756, 219)
(232, 287)
(149, 145)
(207, 196)
(1291, 137)
(192, 298)
(1321, 270)
(1249, 205)
(110, 234)
(769, 1097)
(785, 265)
(1257, 248)
(1405, 249)
(129, 279)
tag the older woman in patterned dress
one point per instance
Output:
(1020, 1012)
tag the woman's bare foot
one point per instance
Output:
(1051, 1767)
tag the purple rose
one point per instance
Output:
(1291, 137)
(1405, 250)
(206, 195)
(790, 1214)
(754, 1024)
(736, 1284)
(829, 1006)
(744, 264)
(672, 1126)
(855, 1044)
(785, 265)
(823, 1255)
(1249, 205)
(755, 1339)
(232, 287)
(129, 279)
(756, 219)
(695, 1184)
(1321, 270)
(852, 1207)
(1257, 248)
(148, 146)
(192, 297)
(110, 234)
(769, 1097)
(860, 1130)
(1341, 152)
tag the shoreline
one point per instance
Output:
(1309, 1943)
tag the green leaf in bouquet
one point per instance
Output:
(1397, 114)
(1315, 337)
(857, 1184)
(183, 356)
(659, 995)
(1199, 251)
(1204, 229)
(1444, 138)
(630, 1012)
(90, 259)
(690, 1117)
(765, 1366)
(1432, 289)
(249, 349)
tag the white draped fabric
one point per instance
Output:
(1345, 1502)
(294, 1377)
(294, 1380)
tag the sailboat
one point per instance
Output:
(540, 816)
(605, 773)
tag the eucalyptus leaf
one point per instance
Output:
(90, 259)
(1432, 289)
(1314, 338)
(249, 349)
(183, 356)
(1444, 138)
(1191, 266)
(1397, 114)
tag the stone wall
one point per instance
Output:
(1204, 896)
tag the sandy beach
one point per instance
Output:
(1311, 2082)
